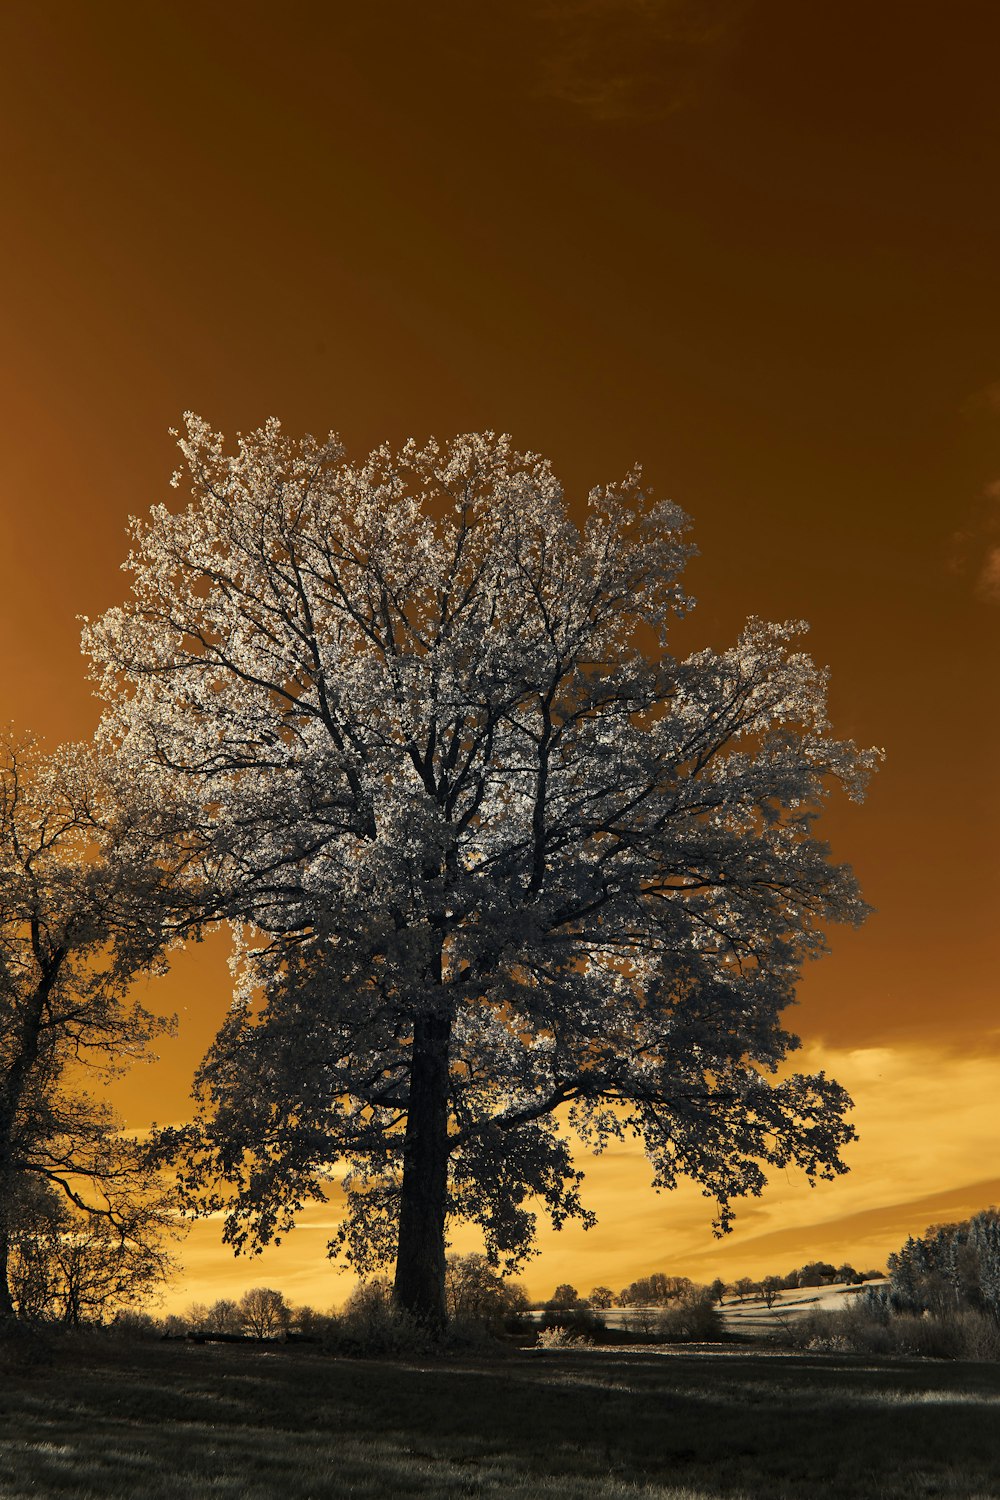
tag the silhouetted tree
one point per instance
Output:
(817, 1273)
(984, 1247)
(264, 1313)
(657, 1290)
(475, 1289)
(769, 1289)
(71, 1266)
(601, 1298)
(224, 1316)
(84, 909)
(500, 854)
(308, 1322)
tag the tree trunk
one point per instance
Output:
(419, 1287)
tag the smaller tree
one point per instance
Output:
(640, 1318)
(76, 1265)
(35, 1213)
(770, 1287)
(85, 907)
(601, 1298)
(692, 1316)
(745, 1287)
(309, 1323)
(657, 1290)
(717, 1290)
(264, 1313)
(564, 1297)
(475, 1289)
(369, 1299)
(984, 1246)
(224, 1316)
(817, 1273)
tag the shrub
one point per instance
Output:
(370, 1326)
(578, 1320)
(696, 1318)
(872, 1330)
(558, 1337)
(980, 1336)
(136, 1324)
(642, 1320)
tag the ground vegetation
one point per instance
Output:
(162, 1419)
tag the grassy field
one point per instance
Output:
(117, 1421)
(752, 1318)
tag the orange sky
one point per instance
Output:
(753, 245)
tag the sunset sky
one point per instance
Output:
(753, 246)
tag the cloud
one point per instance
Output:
(988, 397)
(926, 1121)
(837, 1237)
(988, 579)
(974, 553)
(623, 60)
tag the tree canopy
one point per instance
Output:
(500, 865)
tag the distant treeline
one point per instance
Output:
(942, 1299)
(661, 1290)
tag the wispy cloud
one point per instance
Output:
(926, 1121)
(974, 554)
(983, 539)
(988, 578)
(617, 60)
(988, 397)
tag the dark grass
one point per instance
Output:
(102, 1420)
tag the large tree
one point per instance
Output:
(85, 907)
(505, 865)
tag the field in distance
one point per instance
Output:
(750, 1317)
(110, 1418)
(755, 1319)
